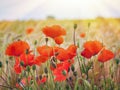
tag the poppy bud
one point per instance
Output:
(46, 71)
(73, 68)
(0, 64)
(75, 73)
(27, 51)
(31, 81)
(117, 61)
(40, 77)
(28, 68)
(46, 40)
(6, 61)
(63, 72)
(33, 67)
(21, 63)
(75, 26)
(35, 42)
(18, 80)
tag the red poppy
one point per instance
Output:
(26, 59)
(86, 53)
(59, 40)
(29, 30)
(60, 74)
(41, 81)
(17, 67)
(91, 48)
(62, 55)
(23, 83)
(17, 48)
(61, 70)
(45, 51)
(105, 55)
(40, 59)
(71, 50)
(82, 35)
(53, 31)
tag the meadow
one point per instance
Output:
(31, 58)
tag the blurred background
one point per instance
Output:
(59, 9)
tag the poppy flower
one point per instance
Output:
(40, 59)
(91, 48)
(60, 74)
(59, 40)
(17, 48)
(62, 55)
(82, 35)
(45, 50)
(41, 81)
(29, 30)
(61, 70)
(17, 67)
(71, 50)
(86, 53)
(54, 31)
(26, 59)
(105, 55)
(23, 83)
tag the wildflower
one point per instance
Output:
(71, 50)
(17, 67)
(59, 40)
(61, 70)
(40, 59)
(26, 59)
(91, 48)
(42, 80)
(60, 74)
(45, 50)
(105, 55)
(54, 31)
(82, 35)
(17, 48)
(29, 31)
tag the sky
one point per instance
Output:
(60, 9)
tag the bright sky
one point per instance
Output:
(61, 9)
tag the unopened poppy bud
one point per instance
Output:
(70, 78)
(27, 51)
(56, 54)
(67, 87)
(33, 67)
(21, 63)
(64, 72)
(54, 59)
(117, 61)
(35, 42)
(73, 68)
(75, 73)
(53, 65)
(46, 71)
(18, 80)
(46, 40)
(40, 77)
(0, 64)
(75, 26)
(31, 81)
(28, 68)
(6, 61)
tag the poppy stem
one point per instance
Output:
(104, 74)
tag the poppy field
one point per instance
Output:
(60, 54)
